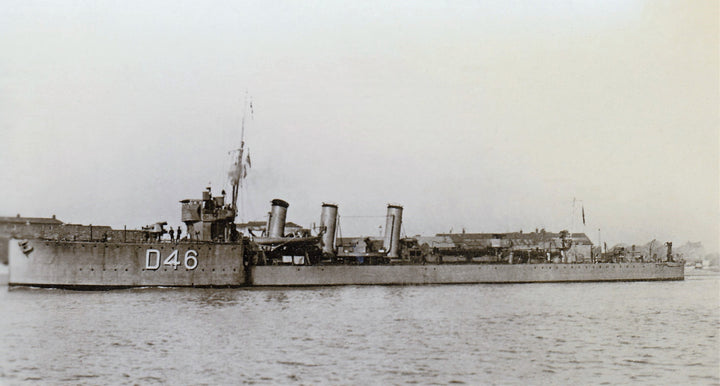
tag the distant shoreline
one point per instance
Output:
(714, 271)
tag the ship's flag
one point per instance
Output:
(583, 214)
(235, 173)
(245, 165)
(240, 168)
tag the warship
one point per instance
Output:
(213, 253)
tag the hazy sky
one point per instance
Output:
(488, 116)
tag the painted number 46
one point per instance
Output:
(152, 259)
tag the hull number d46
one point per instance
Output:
(153, 258)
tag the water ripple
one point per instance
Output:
(602, 333)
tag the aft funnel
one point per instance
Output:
(392, 230)
(328, 223)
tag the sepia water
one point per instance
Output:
(581, 333)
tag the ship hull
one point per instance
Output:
(93, 265)
(96, 265)
(461, 274)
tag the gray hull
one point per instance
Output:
(106, 265)
(461, 274)
(122, 265)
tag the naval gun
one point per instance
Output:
(154, 231)
(388, 250)
(277, 247)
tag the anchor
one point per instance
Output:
(26, 248)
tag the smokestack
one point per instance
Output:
(278, 212)
(392, 230)
(328, 222)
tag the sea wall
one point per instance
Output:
(71, 232)
(4, 242)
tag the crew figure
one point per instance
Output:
(172, 234)
(179, 232)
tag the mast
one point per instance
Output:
(235, 179)
(240, 166)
